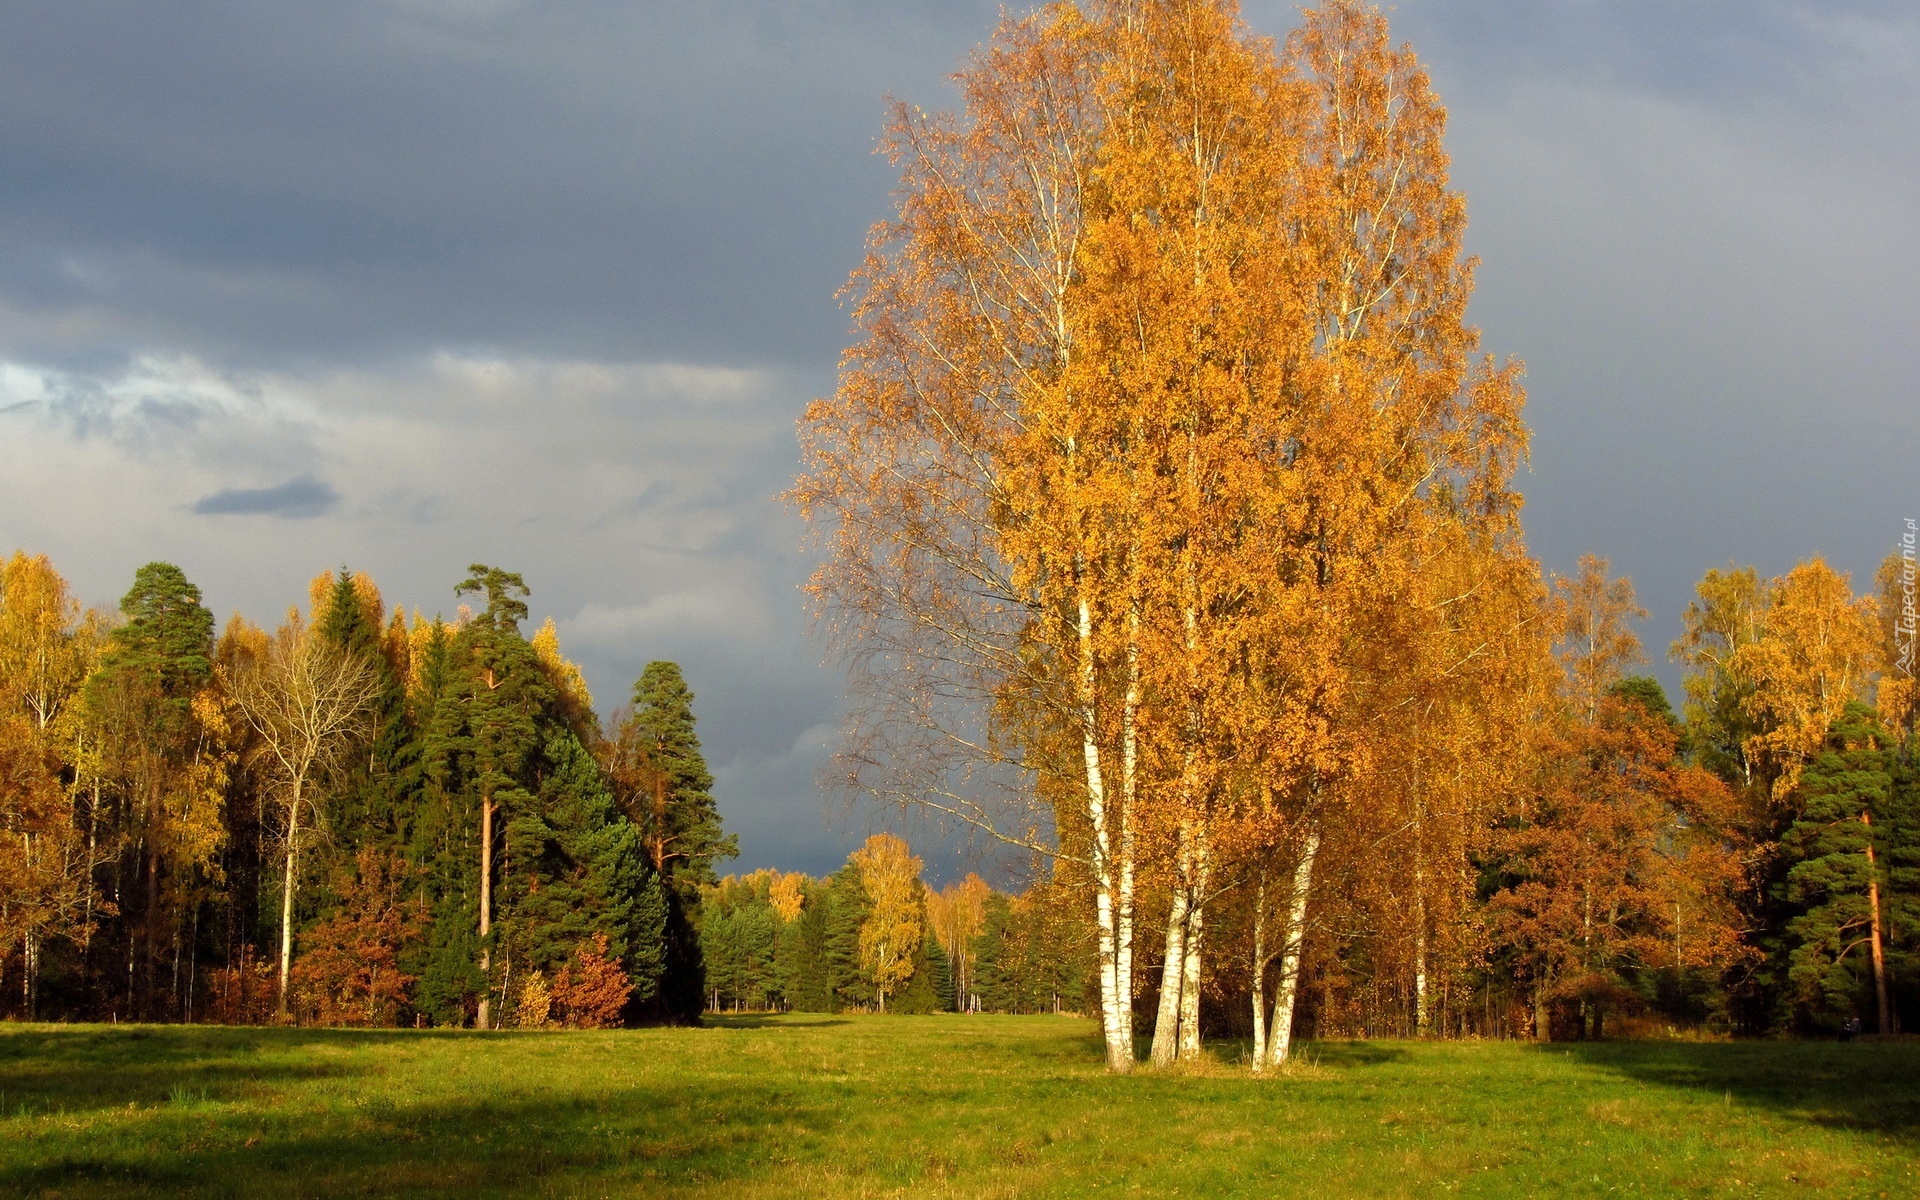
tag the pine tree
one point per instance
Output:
(1834, 882)
(141, 705)
(802, 953)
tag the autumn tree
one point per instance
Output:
(48, 849)
(1815, 656)
(163, 737)
(894, 929)
(349, 970)
(307, 701)
(1163, 349)
(956, 913)
(1727, 615)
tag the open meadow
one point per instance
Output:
(796, 1106)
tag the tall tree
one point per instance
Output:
(652, 755)
(1833, 952)
(307, 700)
(894, 931)
(165, 759)
(481, 752)
(49, 850)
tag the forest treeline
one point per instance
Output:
(352, 819)
(872, 937)
(1168, 529)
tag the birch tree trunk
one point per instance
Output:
(1258, 974)
(1280, 1036)
(1166, 1023)
(286, 892)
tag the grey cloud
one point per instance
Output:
(303, 497)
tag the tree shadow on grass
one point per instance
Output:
(770, 1020)
(632, 1139)
(82, 1069)
(1871, 1086)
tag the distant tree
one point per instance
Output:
(378, 796)
(481, 752)
(307, 701)
(348, 972)
(1834, 886)
(848, 985)
(652, 756)
(575, 870)
(593, 989)
(47, 860)
(164, 762)
(894, 928)
(1619, 863)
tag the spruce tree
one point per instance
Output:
(668, 792)
(848, 984)
(572, 867)
(377, 799)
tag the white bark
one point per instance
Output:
(286, 892)
(1112, 901)
(1280, 1037)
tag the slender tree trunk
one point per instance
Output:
(1879, 953)
(1259, 971)
(1280, 1034)
(1166, 1023)
(1190, 958)
(1112, 901)
(286, 895)
(1189, 1028)
(486, 911)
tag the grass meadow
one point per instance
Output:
(803, 1106)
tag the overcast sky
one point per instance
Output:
(409, 284)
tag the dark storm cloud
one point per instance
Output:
(602, 179)
(546, 284)
(305, 497)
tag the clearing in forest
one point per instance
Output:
(792, 1106)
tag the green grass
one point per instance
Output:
(794, 1107)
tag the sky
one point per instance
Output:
(411, 284)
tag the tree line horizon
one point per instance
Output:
(350, 820)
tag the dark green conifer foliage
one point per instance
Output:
(679, 819)
(930, 988)
(168, 635)
(940, 975)
(480, 747)
(668, 792)
(571, 867)
(377, 798)
(995, 969)
(803, 953)
(847, 907)
(1824, 953)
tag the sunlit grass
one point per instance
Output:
(931, 1106)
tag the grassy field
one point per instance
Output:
(801, 1106)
